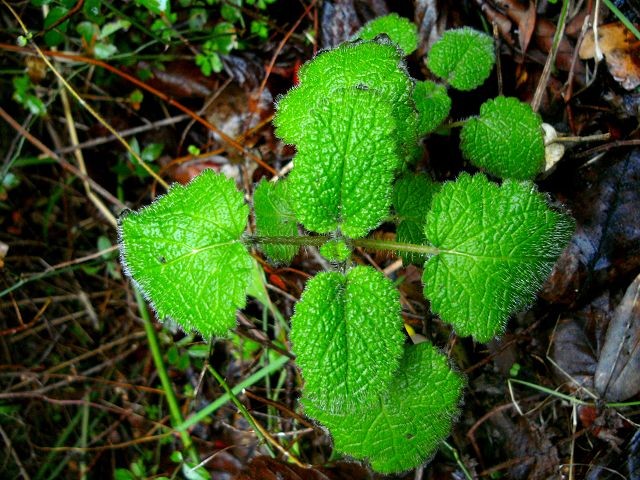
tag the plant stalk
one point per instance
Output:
(167, 386)
(374, 244)
(318, 241)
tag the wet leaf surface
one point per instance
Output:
(604, 198)
(617, 378)
(574, 354)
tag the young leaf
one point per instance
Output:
(55, 36)
(412, 196)
(399, 29)
(433, 105)
(184, 252)
(346, 334)
(497, 246)
(506, 140)
(344, 168)
(410, 419)
(373, 65)
(275, 218)
(463, 58)
(335, 251)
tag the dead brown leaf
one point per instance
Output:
(621, 50)
(616, 377)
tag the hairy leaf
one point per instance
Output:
(433, 105)
(344, 169)
(497, 246)
(275, 218)
(412, 196)
(335, 251)
(376, 66)
(506, 140)
(184, 252)
(463, 57)
(399, 29)
(410, 419)
(346, 334)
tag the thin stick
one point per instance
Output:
(219, 402)
(140, 84)
(257, 428)
(16, 459)
(63, 163)
(124, 133)
(279, 48)
(73, 134)
(551, 57)
(88, 107)
(51, 270)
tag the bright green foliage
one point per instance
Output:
(275, 218)
(433, 105)
(24, 93)
(159, 7)
(414, 415)
(463, 58)
(375, 66)
(346, 334)
(355, 119)
(412, 196)
(224, 39)
(399, 29)
(498, 244)
(184, 252)
(344, 168)
(55, 36)
(335, 251)
(506, 140)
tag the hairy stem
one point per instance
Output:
(368, 243)
(375, 244)
(303, 241)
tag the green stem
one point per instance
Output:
(456, 456)
(374, 244)
(172, 401)
(368, 243)
(452, 125)
(220, 401)
(243, 410)
(302, 241)
(625, 21)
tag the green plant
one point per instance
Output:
(356, 118)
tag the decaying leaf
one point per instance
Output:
(604, 198)
(573, 353)
(266, 468)
(616, 377)
(621, 50)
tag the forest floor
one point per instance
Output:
(81, 393)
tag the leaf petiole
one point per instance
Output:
(319, 240)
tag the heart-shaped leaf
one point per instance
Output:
(185, 253)
(497, 245)
(346, 334)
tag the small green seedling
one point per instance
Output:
(356, 119)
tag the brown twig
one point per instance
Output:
(63, 163)
(279, 48)
(140, 84)
(16, 459)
